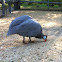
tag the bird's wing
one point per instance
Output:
(19, 20)
(29, 28)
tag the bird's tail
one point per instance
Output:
(9, 33)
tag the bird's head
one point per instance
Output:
(45, 37)
(41, 36)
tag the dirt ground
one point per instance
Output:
(13, 50)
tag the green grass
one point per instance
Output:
(56, 6)
(0, 5)
(35, 6)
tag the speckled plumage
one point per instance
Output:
(25, 26)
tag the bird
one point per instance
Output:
(26, 26)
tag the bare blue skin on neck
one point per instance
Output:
(44, 37)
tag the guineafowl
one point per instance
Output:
(26, 26)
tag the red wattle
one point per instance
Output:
(45, 40)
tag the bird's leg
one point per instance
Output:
(23, 39)
(29, 39)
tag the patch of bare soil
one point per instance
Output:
(13, 50)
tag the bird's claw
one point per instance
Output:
(31, 41)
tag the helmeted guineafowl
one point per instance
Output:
(26, 26)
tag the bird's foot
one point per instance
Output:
(31, 41)
(25, 42)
